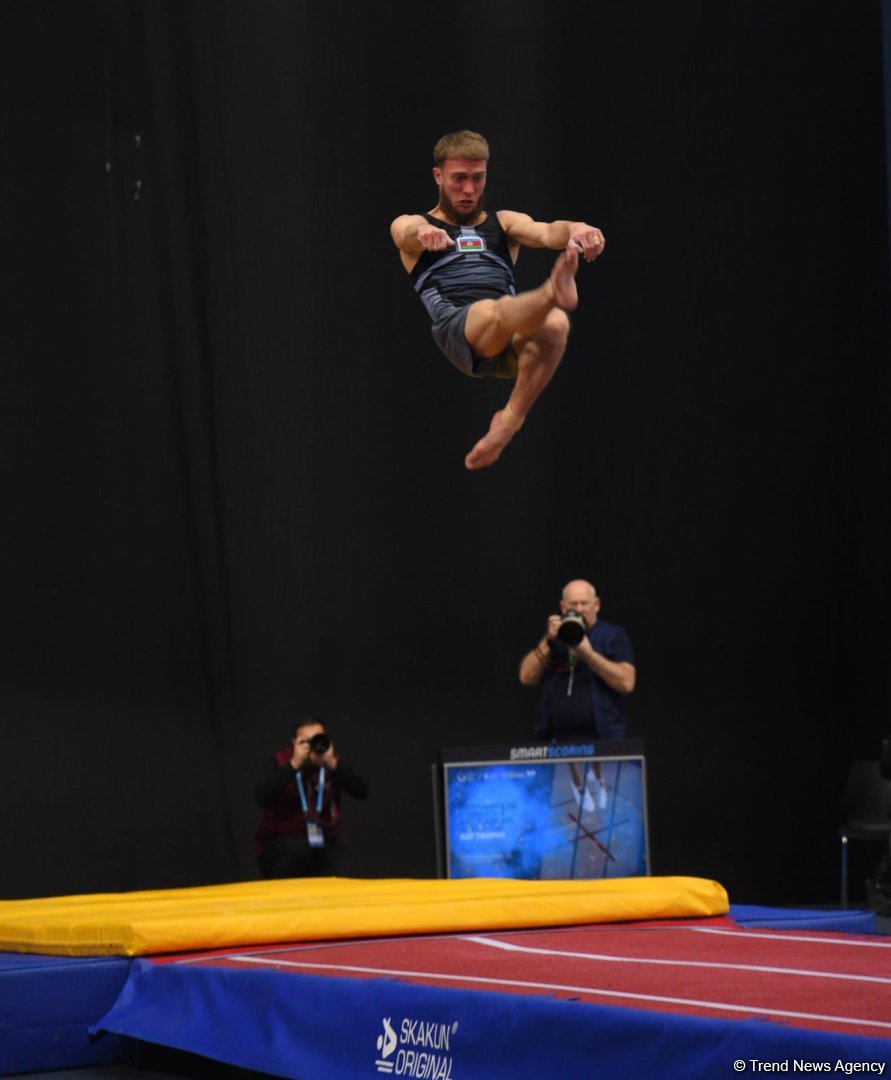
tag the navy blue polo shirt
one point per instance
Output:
(584, 704)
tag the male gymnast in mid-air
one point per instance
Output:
(461, 259)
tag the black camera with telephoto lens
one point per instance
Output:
(572, 629)
(319, 744)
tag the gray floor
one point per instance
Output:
(98, 1072)
(133, 1072)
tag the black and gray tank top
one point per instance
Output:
(478, 267)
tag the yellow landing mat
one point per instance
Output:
(314, 909)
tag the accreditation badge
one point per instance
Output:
(315, 835)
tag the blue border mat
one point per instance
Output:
(47, 1004)
(849, 922)
(297, 1025)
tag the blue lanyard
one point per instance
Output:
(319, 795)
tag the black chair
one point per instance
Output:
(866, 805)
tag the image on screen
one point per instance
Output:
(582, 818)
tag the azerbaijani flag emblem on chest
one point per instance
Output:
(470, 243)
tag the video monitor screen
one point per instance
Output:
(557, 818)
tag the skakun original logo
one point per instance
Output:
(421, 1049)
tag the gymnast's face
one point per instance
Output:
(461, 185)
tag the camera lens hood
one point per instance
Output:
(572, 629)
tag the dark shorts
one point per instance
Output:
(448, 333)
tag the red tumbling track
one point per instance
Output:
(825, 981)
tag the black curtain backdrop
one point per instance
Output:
(233, 459)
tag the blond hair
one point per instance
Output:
(469, 145)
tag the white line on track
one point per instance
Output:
(508, 946)
(552, 987)
(853, 942)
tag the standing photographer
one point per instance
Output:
(299, 790)
(586, 669)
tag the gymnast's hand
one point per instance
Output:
(586, 240)
(432, 239)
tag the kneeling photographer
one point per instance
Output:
(299, 791)
(585, 666)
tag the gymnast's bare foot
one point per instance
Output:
(505, 424)
(563, 280)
